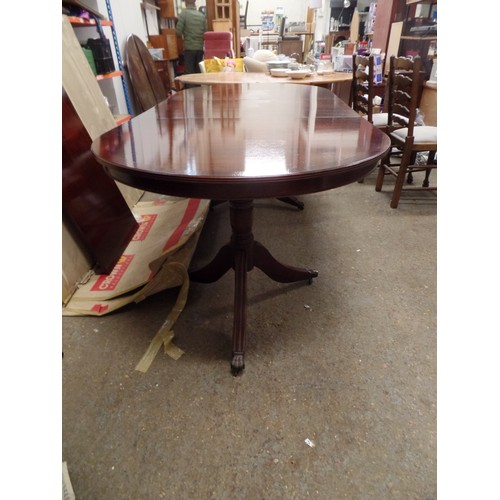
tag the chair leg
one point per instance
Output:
(430, 161)
(291, 200)
(403, 169)
(381, 170)
(413, 159)
(425, 183)
(380, 177)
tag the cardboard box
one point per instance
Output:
(168, 233)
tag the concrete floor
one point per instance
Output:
(348, 363)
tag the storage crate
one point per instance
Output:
(103, 57)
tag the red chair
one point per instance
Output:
(218, 44)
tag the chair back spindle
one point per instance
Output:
(404, 87)
(362, 86)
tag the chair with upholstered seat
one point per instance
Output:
(254, 66)
(218, 44)
(404, 85)
(363, 90)
(258, 63)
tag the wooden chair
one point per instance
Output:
(363, 91)
(362, 86)
(404, 86)
(144, 77)
(243, 17)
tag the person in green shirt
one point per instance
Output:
(191, 26)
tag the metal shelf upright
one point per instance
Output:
(119, 57)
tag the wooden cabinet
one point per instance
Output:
(290, 47)
(167, 9)
(224, 9)
(224, 15)
(388, 12)
(335, 37)
(406, 28)
(419, 34)
(166, 71)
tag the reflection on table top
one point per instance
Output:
(243, 141)
(243, 77)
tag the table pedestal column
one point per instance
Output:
(242, 253)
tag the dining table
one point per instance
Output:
(239, 143)
(326, 79)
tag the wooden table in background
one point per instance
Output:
(428, 104)
(325, 80)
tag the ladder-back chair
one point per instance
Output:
(362, 86)
(404, 88)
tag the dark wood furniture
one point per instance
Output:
(419, 34)
(93, 207)
(243, 17)
(335, 37)
(147, 84)
(166, 71)
(291, 48)
(388, 12)
(243, 142)
(362, 86)
(404, 87)
(327, 80)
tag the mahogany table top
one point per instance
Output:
(243, 141)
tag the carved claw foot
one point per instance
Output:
(314, 275)
(237, 364)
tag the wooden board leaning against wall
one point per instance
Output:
(83, 90)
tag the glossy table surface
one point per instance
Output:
(243, 142)
(238, 143)
(243, 77)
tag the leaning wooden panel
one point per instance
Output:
(85, 94)
(93, 207)
(146, 82)
(81, 85)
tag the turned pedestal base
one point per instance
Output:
(242, 254)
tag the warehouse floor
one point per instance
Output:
(338, 397)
